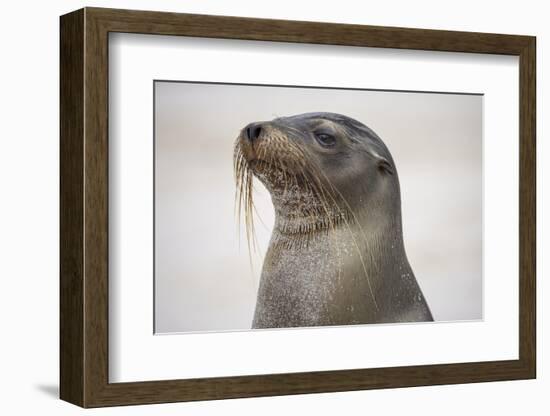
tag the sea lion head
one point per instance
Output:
(320, 168)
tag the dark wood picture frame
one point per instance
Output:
(84, 207)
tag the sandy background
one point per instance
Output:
(203, 277)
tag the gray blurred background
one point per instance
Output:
(204, 277)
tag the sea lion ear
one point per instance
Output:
(384, 165)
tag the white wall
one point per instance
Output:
(29, 208)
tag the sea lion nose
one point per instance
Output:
(253, 131)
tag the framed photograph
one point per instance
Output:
(255, 207)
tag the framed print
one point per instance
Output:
(255, 207)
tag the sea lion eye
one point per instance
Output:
(325, 140)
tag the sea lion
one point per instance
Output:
(336, 255)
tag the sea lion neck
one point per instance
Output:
(303, 211)
(350, 275)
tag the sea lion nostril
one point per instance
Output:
(253, 131)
